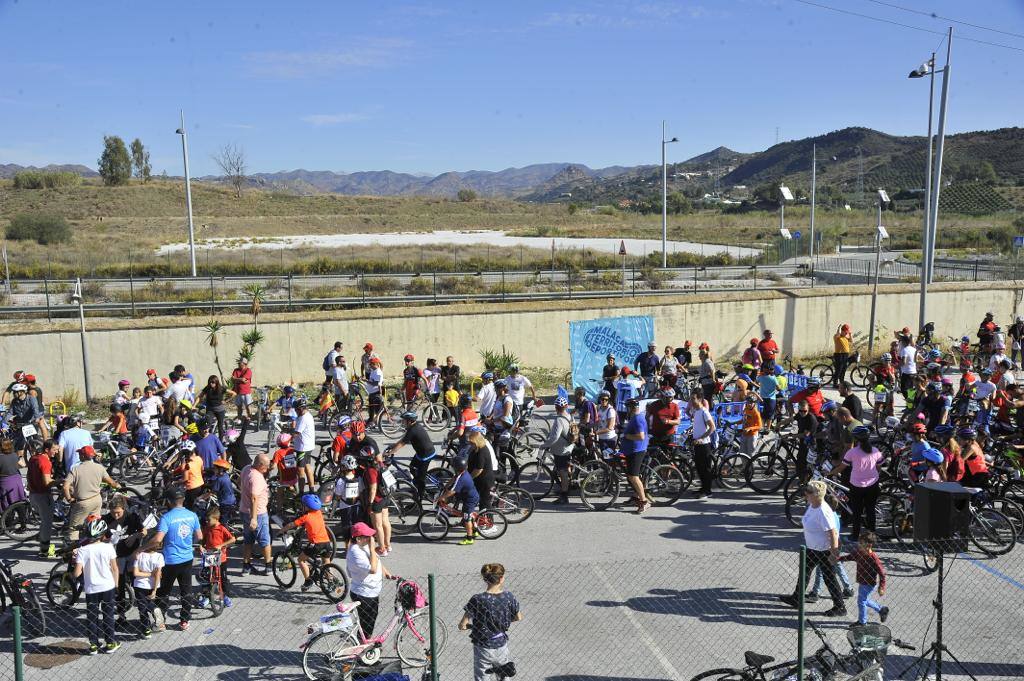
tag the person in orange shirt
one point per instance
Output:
(751, 425)
(318, 542)
(287, 463)
(343, 435)
(191, 470)
(216, 536)
(117, 422)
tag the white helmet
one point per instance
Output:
(188, 446)
(19, 388)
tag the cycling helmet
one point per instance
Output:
(753, 341)
(626, 371)
(478, 429)
(918, 429)
(932, 366)
(829, 405)
(779, 369)
(487, 375)
(945, 430)
(188, 446)
(965, 339)
(465, 401)
(604, 393)
(967, 433)
(861, 432)
(610, 356)
(123, 383)
(932, 455)
(348, 462)
(151, 372)
(561, 402)
(410, 416)
(986, 372)
(95, 526)
(934, 387)
(947, 380)
(632, 402)
(409, 358)
(500, 383)
(744, 377)
(748, 367)
(344, 421)
(892, 422)
(231, 436)
(751, 398)
(934, 353)
(192, 429)
(886, 357)
(813, 382)
(288, 390)
(19, 375)
(284, 439)
(512, 368)
(312, 502)
(19, 388)
(368, 347)
(300, 403)
(667, 393)
(358, 427)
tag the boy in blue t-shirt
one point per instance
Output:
(465, 490)
(634, 445)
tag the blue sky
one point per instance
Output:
(418, 86)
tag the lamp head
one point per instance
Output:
(179, 131)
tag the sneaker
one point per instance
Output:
(790, 600)
(468, 541)
(643, 507)
(51, 552)
(259, 571)
(834, 612)
(112, 647)
(183, 625)
(811, 598)
(562, 499)
(847, 593)
(246, 568)
(227, 602)
(883, 614)
(147, 634)
(94, 649)
(306, 586)
(202, 602)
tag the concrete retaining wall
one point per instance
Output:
(803, 322)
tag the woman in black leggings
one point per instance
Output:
(863, 461)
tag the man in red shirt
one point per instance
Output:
(768, 348)
(40, 479)
(663, 417)
(241, 382)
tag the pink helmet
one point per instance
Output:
(123, 383)
(284, 439)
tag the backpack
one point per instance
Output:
(327, 362)
(572, 433)
(386, 482)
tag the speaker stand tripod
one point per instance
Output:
(933, 653)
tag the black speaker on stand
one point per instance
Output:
(942, 519)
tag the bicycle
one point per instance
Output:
(434, 524)
(663, 483)
(989, 530)
(331, 579)
(856, 373)
(19, 591)
(336, 641)
(211, 587)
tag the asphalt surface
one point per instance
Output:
(605, 595)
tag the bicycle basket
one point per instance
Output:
(339, 622)
(410, 596)
(872, 637)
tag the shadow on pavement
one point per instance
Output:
(715, 604)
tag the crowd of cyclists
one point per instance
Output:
(170, 474)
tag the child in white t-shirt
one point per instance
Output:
(148, 566)
(96, 564)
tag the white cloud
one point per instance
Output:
(319, 120)
(361, 54)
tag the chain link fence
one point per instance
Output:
(632, 618)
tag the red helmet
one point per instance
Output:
(409, 358)
(151, 372)
(30, 378)
(687, 344)
(626, 371)
(19, 375)
(358, 427)
(753, 341)
(918, 429)
(368, 347)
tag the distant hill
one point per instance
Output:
(9, 170)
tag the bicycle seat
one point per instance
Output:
(322, 443)
(10, 563)
(347, 607)
(756, 659)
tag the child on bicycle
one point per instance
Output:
(464, 490)
(318, 542)
(287, 463)
(216, 536)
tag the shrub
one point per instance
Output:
(61, 179)
(43, 228)
(29, 179)
(420, 286)
(381, 284)
(457, 285)
(466, 195)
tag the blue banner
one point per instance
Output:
(592, 340)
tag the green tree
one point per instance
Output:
(572, 208)
(678, 204)
(43, 228)
(466, 195)
(140, 160)
(115, 165)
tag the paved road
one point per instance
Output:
(606, 596)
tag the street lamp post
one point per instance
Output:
(188, 194)
(814, 186)
(664, 197)
(933, 173)
(880, 234)
(76, 297)
(786, 195)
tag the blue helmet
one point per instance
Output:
(312, 502)
(945, 430)
(779, 369)
(829, 405)
(487, 375)
(410, 416)
(967, 433)
(478, 429)
(288, 390)
(561, 402)
(934, 353)
(861, 432)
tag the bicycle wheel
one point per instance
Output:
(329, 656)
(389, 421)
(902, 524)
(663, 485)
(796, 505)
(515, 503)
(732, 472)
(537, 480)
(436, 417)
(823, 372)
(490, 524)
(216, 598)
(333, 582)
(403, 511)
(768, 470)
(284, 568)
(723, 674)
(413, 642)
(62, 589)
(1012, 510)
(859, 375)
(33, 619)
(992, 532)
(432, 526)
(20, 522)
(600, 489)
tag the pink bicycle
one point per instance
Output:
(336, 642)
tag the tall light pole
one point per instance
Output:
(814, 187)
(188, 194)
(933, 175)
(786, 195)
(76, 297)
(880, 234)
(664, 197)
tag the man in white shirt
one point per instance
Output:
(518, 385)
(908, 365)
(180, 388)
(71, 440)
(304, 442)
(984, 388)
(96, 564)
(703, 428)
(339, 380)
(485, 396)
